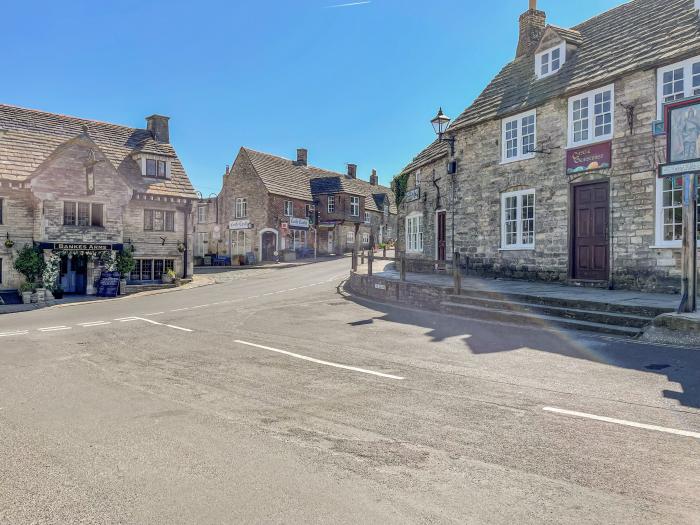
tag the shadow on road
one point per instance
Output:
(679, 365)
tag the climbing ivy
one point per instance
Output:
(400, 186)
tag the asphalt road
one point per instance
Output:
(272, 398)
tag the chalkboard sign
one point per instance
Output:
(250, 257)
(108, 285)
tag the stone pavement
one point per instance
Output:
(387, 270)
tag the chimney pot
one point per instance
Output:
(352, 171)
(302, 157)
(158, 126)
(373, 179)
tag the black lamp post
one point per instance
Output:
(440, 124)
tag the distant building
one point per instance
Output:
(553, 174)
(80, 188)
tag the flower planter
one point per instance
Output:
(122, 287)
(58, 294)
(26, 297)
(166, 279)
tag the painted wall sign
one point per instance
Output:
(413, 195)
(379, 286)
(108, 285)
(679, 168)
(298, 223)
(80, 247)
(589, 158)
(239, 225)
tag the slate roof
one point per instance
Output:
(634, 36)
(31, 136)
(285, 178)
(430, 154)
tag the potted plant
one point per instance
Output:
(30, 263)
(124, 264)
(58, 292)
(25, 291)
(169, 276)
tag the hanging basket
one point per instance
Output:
(9, 243)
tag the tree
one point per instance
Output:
(125, 262)
(30, 263)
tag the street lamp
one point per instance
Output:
(440, 124)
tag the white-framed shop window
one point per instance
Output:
(669, 212)
(414, 232)
(241, 242)
(519, 135)
(592, 117)
(677, 81)
(518, 220)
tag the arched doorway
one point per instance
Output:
(269, 245)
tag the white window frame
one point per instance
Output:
(201, 214)
(545, 58)
(354, 206)
(660, 242)
(688, 91)
(592, 138)
(241, 208)
(417, 177)
(350, 237)
(289, 208)
(365, 238)
(519, 245)
(368, 218)
(518, 119)
(414, 232)
(331, 204)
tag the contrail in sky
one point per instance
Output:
(351, 4)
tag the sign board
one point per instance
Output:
(379, 286)
(108, 284)
(240, 225)
(80, 247)
(679, 168)
(299, 224)
(589, 158)
(284, 226)
(682, 120)
(412, 195)
(250, 257)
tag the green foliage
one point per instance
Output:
(400, 186)
(51, 272)
(125, 262)
(171, 273)
(30, 263)
(27, 287)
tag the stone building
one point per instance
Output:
(551, 173)
(273, 207)
(80, 188)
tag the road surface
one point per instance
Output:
(272, 398)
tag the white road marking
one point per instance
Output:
(18, 332)
(156, 313)
(54, 328)
(151, 321)
(319, 361)
(623, 422)
(94, 323)
(180, 309)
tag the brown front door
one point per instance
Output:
(590, 237)
(269, 242)
(442, 235)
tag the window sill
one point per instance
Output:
(517, 249)
(666, 247)
(518, 159)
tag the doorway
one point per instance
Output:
(590, 250)
(73, 276)
(442, 236)
(269, 246)
(331, 248)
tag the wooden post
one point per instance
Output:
(354, 261)
(362, 257)
(457, 274)
(384, 252)
(690, 245)
(403, 266)
(370, 255)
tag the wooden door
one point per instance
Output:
(442, 236)
(269, 245)
(590, 248)
(331, 247)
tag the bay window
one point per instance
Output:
(414, 232)
(591, 117)
(519, 137)
(518, 220)
(669, 212)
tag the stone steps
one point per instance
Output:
(531, 319)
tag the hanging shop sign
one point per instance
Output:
(589, 158)
(240, 225)
(298, 223)
(683, 136)
(79, 247)
(413, 195)
(108, 285)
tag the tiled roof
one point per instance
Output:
(636, 35)
(31, 136)
(286, 178)
(430, 154)
(568, 35)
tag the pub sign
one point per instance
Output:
(589, 158)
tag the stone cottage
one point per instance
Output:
(274, 207)
(80, 188)
(551, 173)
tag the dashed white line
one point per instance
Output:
(320, 361)
(94, 323)
(623, 422)
(180, 309)
(54, 328)
(10, 334)
(151, 321)
(155, 313)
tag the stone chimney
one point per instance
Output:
(302, 157)
(352, 171)
(532, 25)
(373, 179)
(158, 126)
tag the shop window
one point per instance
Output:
(297, 239)
(151, 269)
(669, 211)
(240, 242)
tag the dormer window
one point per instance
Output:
(153, 166)
(550, 61)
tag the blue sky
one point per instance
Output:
(352, 84)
